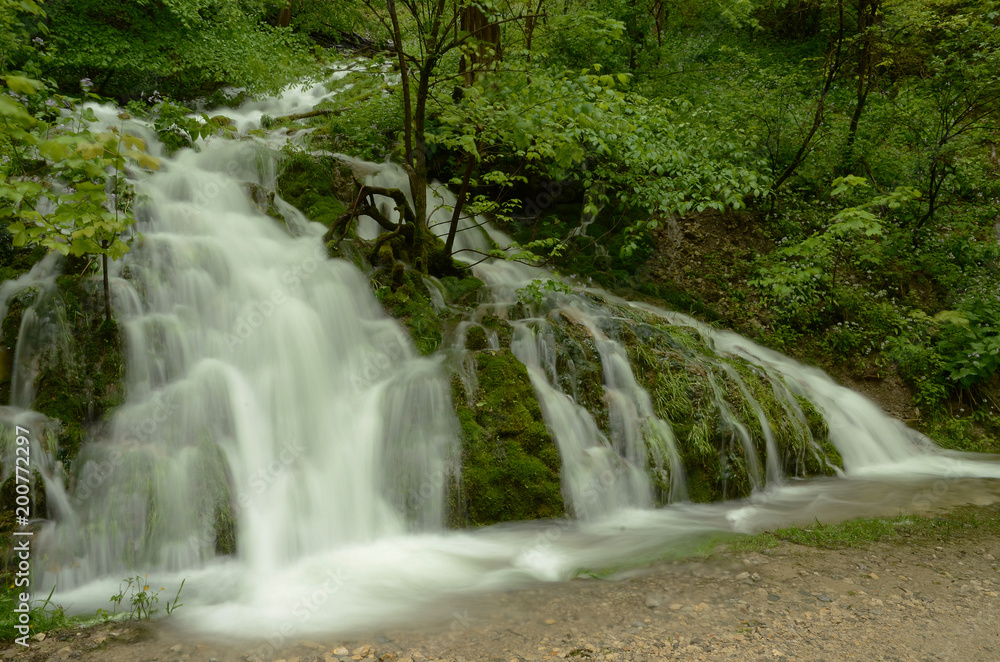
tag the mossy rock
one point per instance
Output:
(320, 187)
(352, 250)
(405, 297)
(79, 390)
(510, 464)
(462, 291)
(475, 338)
(685, 379)
(82, 389)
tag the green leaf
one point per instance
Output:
(13, 109)
(23, 84)
(952, 317)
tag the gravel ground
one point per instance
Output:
(925, 600)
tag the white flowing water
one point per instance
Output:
(42, 335)
(271, 400)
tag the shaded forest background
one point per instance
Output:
(821, 175)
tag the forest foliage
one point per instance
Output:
(858, 138)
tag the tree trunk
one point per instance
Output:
(470, 163)
(486, 41)
(867, 16)
(107, 287)
(285, 15)
(833, 65)
(397, 39)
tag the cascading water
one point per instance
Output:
(273, 407)
(42, 334)
(270, 399)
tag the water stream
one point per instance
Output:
(272, 403)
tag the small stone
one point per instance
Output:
(177, 648)
(743, 576)
(771, 597)
(363, 651)
(550, 621)
(873, 576)
(652, 601)
(341, 651)
(824, 598)
(675, 606)
(39, 637)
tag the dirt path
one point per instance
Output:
(927, 600)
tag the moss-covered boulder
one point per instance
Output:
(81, 372)
(81, 389)
(510, 464)
(405, 296)
(712, 401)
(319, 186)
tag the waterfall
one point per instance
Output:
(274, 409)
(271, 402)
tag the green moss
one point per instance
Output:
(320, 187)
(696, 390)
(347, 249)
(578, 365)
(501, 327)
(462, 290)
(475, 338)
(81, 389)
(410, 303)
(510, 464)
